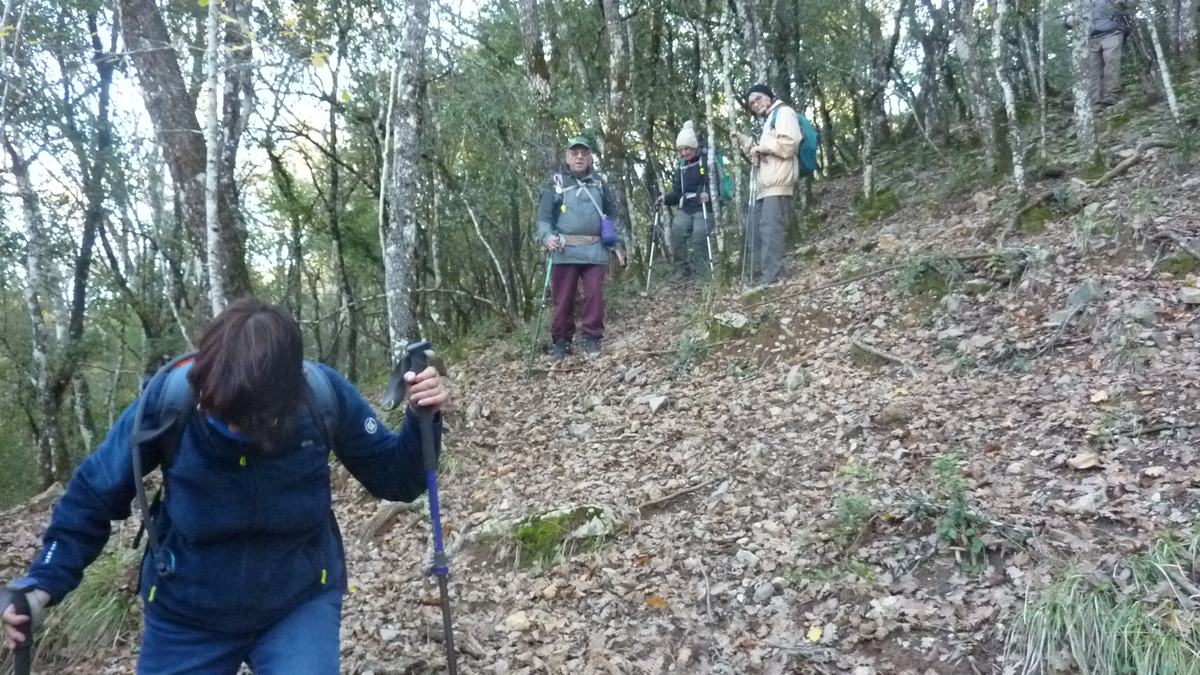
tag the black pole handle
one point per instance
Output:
(23, 655)
(416, 359)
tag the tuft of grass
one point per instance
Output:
(1141, 619)
(96, 614)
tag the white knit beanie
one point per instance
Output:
(687, 137)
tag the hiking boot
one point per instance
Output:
(591, 347)
(679, 276)
(559, 350)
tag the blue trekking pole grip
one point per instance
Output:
(416, 360)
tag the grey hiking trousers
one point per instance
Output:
(768, 222)
(689, 244)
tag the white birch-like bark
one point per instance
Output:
(1164, 72)
(1085, 123)
(976, 91)
(1187, 30)
(216, 267)
(385, 159)
(400, 249)
(49, 439)
(1041, 83)
(751, 33)
(731, 97)
(491, 253)
(714, 175)
(1015, 141)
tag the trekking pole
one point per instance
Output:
(416, 359)
(537, 327)
(747, 245)
(650, 266)
(707, 235)
(23, 655)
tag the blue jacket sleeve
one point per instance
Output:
(101, 491)
(388, 464)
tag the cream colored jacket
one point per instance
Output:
(778, 165)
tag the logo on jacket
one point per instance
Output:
(371, 425)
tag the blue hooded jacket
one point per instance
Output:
(253, 535)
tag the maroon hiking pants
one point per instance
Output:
(566, 280)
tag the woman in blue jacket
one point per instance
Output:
(257, 569)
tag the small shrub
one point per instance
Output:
(959, 525)
(852, 512)
(933, 275)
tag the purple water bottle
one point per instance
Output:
(608, 231)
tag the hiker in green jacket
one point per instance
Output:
(576, 222)
(694, 217)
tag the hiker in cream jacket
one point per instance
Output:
(772, 152)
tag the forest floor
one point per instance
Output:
(910, 436)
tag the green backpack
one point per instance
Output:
(725, 184)
(807, 150)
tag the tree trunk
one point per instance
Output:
(1085, 126)
(1187, 31)
(999, 59)
(172, 110)
(980, 102)
(714, 171)
(1041, 83)
(618, 106)
(347, 306)
(49, 436)
(400, 251)
(212, 175)
(752, 35)
(538, 73)
(1164, 72)
(238, 103)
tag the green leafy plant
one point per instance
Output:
(959, 525)
(689, 352)
(852, 513)
(934, 275)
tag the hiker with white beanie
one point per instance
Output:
(693, 217)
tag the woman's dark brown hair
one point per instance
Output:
(249, 371)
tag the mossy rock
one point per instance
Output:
(729, 325)
(551, 537)
(1178, 265)
(882, 205)
(1034, 220)
(977, 287)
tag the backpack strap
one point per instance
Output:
(173, 406)
(321, 402)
